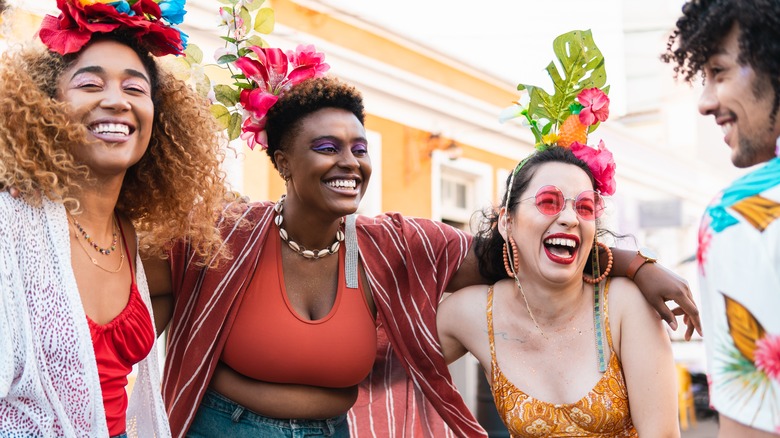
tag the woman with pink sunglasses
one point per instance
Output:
(563, 352)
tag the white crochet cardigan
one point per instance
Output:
(49, 383)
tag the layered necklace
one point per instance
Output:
(81, 235)
(311, 254)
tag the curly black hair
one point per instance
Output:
(303, 99)
(703, 25)
(488, 242)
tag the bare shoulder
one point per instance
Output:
(463, 305)
(625, 298)
(467, 296)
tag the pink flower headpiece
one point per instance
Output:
(151, 22)
(261, 75)
(579, 104)
(270, 73)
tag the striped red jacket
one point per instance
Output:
(408, 263)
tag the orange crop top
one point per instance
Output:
(602, 412)
(270, 342)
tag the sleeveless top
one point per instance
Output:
(270, 342)
(602, 412)
(118, 345)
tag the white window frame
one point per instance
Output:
(371, 203)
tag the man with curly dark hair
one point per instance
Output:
(735, 46)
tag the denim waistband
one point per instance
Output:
(238, 412)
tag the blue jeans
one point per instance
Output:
(218, 416)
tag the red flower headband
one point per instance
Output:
(150, 21)
(579, 104)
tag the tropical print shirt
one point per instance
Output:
(739, 268)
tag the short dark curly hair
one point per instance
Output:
(703, 25)
(303, 99)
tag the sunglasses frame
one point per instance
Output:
(598, 210)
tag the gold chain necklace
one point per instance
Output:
(531, 314)
(94, 260)
(311, 254)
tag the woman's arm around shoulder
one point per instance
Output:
(645, 351)
(158, 276)
(460, 319)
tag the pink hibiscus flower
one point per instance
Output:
(768, 356)
(601, 164)
(596, 106)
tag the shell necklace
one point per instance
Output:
(311, 254)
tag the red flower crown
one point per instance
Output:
(151, 22)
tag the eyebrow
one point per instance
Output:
(100, 70)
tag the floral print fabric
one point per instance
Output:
(603, 412)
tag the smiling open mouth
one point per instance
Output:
(343, 183)
(117, 129)
(561, 247)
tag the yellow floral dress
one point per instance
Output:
(603, 412)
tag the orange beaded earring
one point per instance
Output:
(515, 258)
(598, 279)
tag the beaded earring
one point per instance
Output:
(595, 258)
(515, 258)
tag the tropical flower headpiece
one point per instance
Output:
(261, 74)
(578, 106)
(151, 22)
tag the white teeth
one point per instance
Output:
(559, 241)
(343, 183)
(110, 129)
(726, 127)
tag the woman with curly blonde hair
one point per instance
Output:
(111, 156)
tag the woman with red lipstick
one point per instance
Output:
(103, 146)
(565, 353)
(564, 356)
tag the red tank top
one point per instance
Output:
(270, 342)
(119, 345)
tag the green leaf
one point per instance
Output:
(244, 51)
(239, 76)
(580, 65)
(194, 55)
(228, 39)
(234, 126)
(243, 13)
(225, 59)
(179, 67)
(221, 114)
(244, 86)
(264, 21)
(256, 40)
(203, 85)
(226, 95)
(228, 2)
(255, 5)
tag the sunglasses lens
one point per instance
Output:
(549, 200)
(589, 205)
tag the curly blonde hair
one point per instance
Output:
(175, 191)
